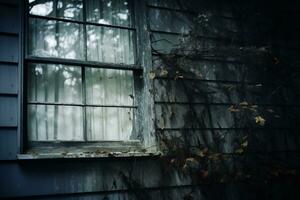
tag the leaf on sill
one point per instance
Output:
(260, 120)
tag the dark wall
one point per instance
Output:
(266, 169)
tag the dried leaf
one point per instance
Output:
(191, 163)
(202, 153)
(260, 120)
(239, 151)
(244, 144)
(233, 109)
(244, 103)
(178, 77)
(163, 72)
(152, 75)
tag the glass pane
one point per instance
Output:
(110, 45)
(169, 21)
(50, 123)
(48, 38)
(113, 12)
(70, 9)
(42, 7)
(54, 83)
(109, 123)
(109, 87)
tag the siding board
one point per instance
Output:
(9, 49)
(8, 111)
(8, 79)
(8, 144)
(9, 17)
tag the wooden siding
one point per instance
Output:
(147, 177)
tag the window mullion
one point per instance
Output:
(83, 71)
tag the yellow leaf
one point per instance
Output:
(239, 151)
(202, 153)
(151, 75)
(259, 120)
(244, 103)
(163, 72)
(244, 144)
(233, 109)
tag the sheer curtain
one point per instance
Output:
(109, 87)
(54, 84)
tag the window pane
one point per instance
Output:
(54, 83)
(109, 87)
(49, 38)
(110, 45)
(50, 123)
(42, 7)
(70, 9)
(109, 123)
(113, 12)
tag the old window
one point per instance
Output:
(81, 73)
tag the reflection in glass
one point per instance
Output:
(110, 45)
(42, 7)
(109, 123)
(109, 87)
(54, 83)
(48, 38)
(51, 123)
(70, 9)
(113, 12)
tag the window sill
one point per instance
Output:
(86, 150)
(95, 155)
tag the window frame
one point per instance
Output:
(143, 129)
